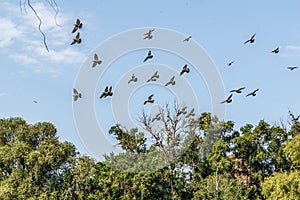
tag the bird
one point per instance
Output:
(228, 100)
(104, 93)
(230, 63)
(292, 68)
(76, 94)
(276, 50)
(191, 113)
(96, 60)
(251, 40)
(184, 69)
(149, 56)
(187, 39)
(238, 90)
(294, 119)
(77, 39)
(252, 93)
(171, 81)
(154, 77)
(149, 100)
(133, 79)
(77, 25)
(149, 35)
(157, 117)
(34, 101)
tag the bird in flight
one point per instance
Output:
(149, 35)
(149, 100)
(228, 100)
(77, 25)
(230, 63)
(184, 69)
(149, 56)
(252, 93)
(252, 39)
(107, 92)
(292, 68)
(294, 119)
(76, 94)
(133, 79)
(171, 81)
(276, 50)
(34, 101)
(154, 77)
(238, 90)
(96, 60)
(77, 39)
(187, 39)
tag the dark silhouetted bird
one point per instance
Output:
(228, 100)
(230, 63)
(154, 77)
(171, 81)
(251, 40)
(294, 119)
(187, 39)
(184, 69)
(133, 79)
(252, 93)
(149, 100)
(149, 56)
(292, 68)
(104, 93)
(77, 25)
(34, 101)
(77, 39)
(149, 35)
(76, 94)
(96, 60)
(238, 90)
(276, 50)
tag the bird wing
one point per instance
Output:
(172, 79)
(106, 89)
(75, 29)
(78, 36)
(149, 53)
(230, 96)
(96, 57)
(75, 97)
(242, 88)
(78, 22)
(150, 97)
(75, 91)
(246, 41)
(253, 36)
(232, 90)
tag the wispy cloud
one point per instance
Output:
(23, 42)
(3, 94)
(292, 51)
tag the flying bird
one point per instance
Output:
(76, 94)
(228, 100)
(34, 101)
(77, 39)
(251, 40)
(96, 60)
(133, 79)
(104, 93)
(230, 63)
(77, 25)
(294, 119)
(149, 100)
(238, 90)
(149, 35)
(184, 69)
(276, 50)
(154, 77)
(149, 56)
(171, 81)
(252, 93)
(187, 39)
(292, 68)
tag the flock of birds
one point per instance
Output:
(185, 69)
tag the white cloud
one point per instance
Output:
(2, 94)
(292, 51)
(8, 31)
(25, 59)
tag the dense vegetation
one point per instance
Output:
(256, 162)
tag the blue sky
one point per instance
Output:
(29, 72)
